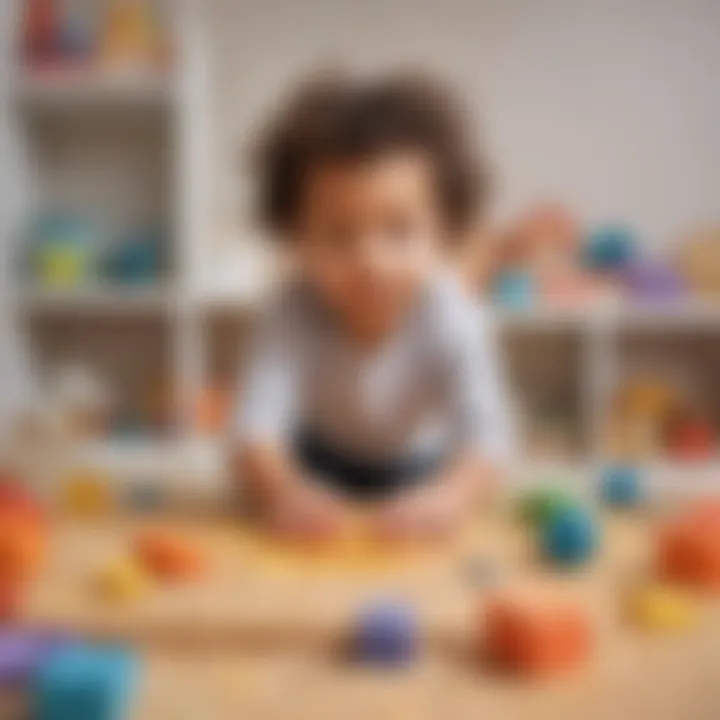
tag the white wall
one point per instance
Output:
(612, 105)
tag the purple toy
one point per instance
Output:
(652, 281)
(23, 651)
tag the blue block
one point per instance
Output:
(85, 683)
(570, 537)
(621, 486)
(386, 634)
(612, 247)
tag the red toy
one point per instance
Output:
(40, 31)
(537, 638)
(688, 549)
(691, 439)
(171, 555)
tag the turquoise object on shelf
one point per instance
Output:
(136, 259)
(610, 248)
(570, 537)
(85, 682)
(621, 486)
(514, 289)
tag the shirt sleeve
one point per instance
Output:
(479, 402)
(268, 387)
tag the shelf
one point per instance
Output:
(63, 90)
(98, 300)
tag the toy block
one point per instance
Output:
(12, 600)
(621, 487)
(570, 538)
(688, 552)
(22, 550)
(170, 555)
(661, 608)
(121, 581)
(386, 634)
(526, 636)
(22, 652)
(87, 494)
(85, 683)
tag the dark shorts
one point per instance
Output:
(358, 478)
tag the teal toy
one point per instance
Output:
(540, 505)
(514, 289)
(621, 486)
(136, 259)
(85, 682)
(571, 537)
(610, 248)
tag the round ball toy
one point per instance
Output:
(385, 634)
(621, 486)
(571, 537)
(610, 248)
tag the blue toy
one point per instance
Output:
(85, 683)
(621, 486)
(571, 537)
(514, 289)
(136, 259)
(386, 634)
(610, 248)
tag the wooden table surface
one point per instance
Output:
(260, 637)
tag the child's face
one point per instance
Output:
(370, 234)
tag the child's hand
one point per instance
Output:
(306, 512)
(430, 511)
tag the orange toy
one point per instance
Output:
(12, 600)
(170, 555)
(525, 636)
(22, 548)
(688, 550)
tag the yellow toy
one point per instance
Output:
(130, 37)
(121, 581)
(662, 608)
(87, 493)
(699, 261)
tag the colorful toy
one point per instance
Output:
(514, 289)
(85, 683)
(691, 438)
(22, 652)
(535, 636)
(121, 581)
(87, 493)
(130, 39)
(22, 550)
(699, 261)
(662, 608)
(621, 486)
(169, 555)
(40, 31)
(540, 505)
(386, 634)
(570, 537)
(76, 36)
(688, 552)
(655, 282)
(610, 248)
(136, 259)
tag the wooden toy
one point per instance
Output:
(171, 555)
(23, 651)
(621, 486)
(661, 608)
(610, 248)
(137, 259)
(688, 552)
(122, 580)
(536, 636)
(87, 493)
(539, 505)
(570, 537)
(386, 634)
(85, 683)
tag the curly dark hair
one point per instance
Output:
(340, 118)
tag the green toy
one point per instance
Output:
(539, 506)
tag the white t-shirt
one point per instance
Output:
(434, 385)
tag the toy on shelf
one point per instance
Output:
(514, 289)
(610, 248)
(63, 251)
(22, 653)
(131, 36)
(136, 259)
(76, 36)
(40, 31)
(85, 682)
(87, 493)
(536, 636)
(651, 281)
(385, 634)
(698, 258)
(690, 437)
(570, 537)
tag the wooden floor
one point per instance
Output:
(261, 637)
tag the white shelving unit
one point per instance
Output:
(185, 306)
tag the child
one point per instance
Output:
(374, 378)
